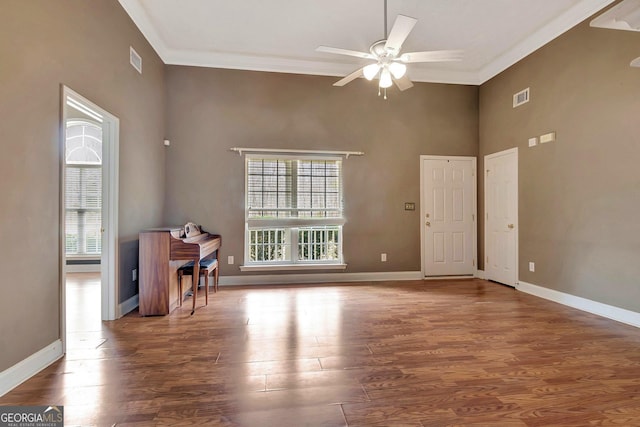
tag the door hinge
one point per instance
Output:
(487, 260)
(473, 217)
(473, 262)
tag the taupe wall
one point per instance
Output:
(210, 111)
(84, 45)
(579, 196)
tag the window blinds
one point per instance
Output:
(83, 204)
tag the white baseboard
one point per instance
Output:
(447, 277)
(479, 274)
(82, 268)
(12, 377)
(611, 312)
(129, 305)
(288, 279)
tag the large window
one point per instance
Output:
(293, 211)
(83, 189)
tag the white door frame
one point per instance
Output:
(517, 218)
(109, 257)
(423, 209)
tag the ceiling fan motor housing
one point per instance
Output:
(379, 50)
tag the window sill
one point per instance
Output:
(293, 267)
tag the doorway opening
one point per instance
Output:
(89, 206)
(83, 218)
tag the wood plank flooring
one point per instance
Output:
(443, 353)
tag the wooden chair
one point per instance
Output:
(207, 266)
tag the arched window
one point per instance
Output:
(83, 186)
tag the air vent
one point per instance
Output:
(135, 59)
(520, 98)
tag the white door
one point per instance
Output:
(501, 217)
(448, 215)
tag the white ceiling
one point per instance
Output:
(282, 35)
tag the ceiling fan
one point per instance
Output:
(389, 65)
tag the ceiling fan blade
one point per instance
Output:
(636, 63)
(336, 50)
(432, 56)
(403, 83)
(349, 78)
(399, 32)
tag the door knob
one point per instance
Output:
(510, 225)
(428, 224)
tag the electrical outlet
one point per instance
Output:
(134, 274)
(383, 257)
(230, 260)
(532, 266)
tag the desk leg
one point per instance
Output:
(195, 281)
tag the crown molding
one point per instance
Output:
(544, 35)
(140, 19)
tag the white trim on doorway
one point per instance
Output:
(109, 257)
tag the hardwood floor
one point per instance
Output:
(83, 303)
(445, 353)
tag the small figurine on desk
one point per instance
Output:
(191, 229)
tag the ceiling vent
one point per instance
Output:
(135, 59)
(520, 98)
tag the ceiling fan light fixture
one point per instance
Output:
(370, 71)
(624, 16)
(385, 78)
(397, 69)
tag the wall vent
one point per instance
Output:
(520, 98)
(135, 59)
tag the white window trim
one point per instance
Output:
(292, 267)
(293, 224)
(286, 265)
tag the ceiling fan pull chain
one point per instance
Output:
(385, 93)
(378, 90)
